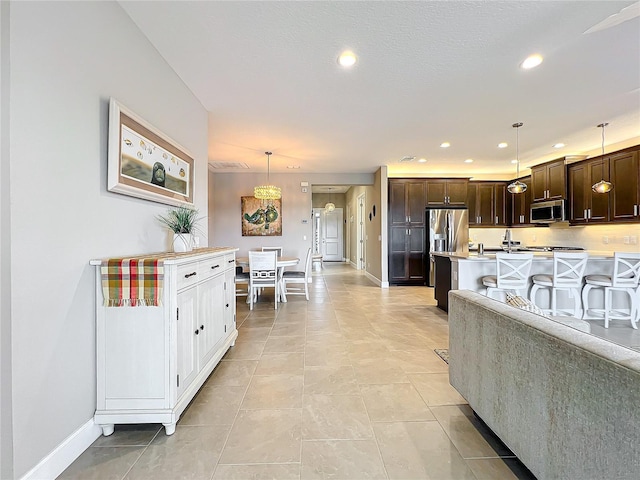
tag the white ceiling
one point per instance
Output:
(427, 72)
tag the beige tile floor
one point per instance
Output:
(345, 386)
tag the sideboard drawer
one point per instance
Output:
(230, 261)
(188, 274)
(211, 267)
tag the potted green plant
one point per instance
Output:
(182, 222)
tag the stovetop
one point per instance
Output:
(547, 248)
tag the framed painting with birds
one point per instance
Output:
(261, 217)
(144, 162)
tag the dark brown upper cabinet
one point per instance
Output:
(521, 205)
(487, 203)
(548, 181)
(625, 175)
(447, 191)
(586, 206)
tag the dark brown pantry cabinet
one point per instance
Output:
(407, 236)
(548, 181)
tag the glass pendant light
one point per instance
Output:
(268, 191)
(602, 186)
(517, 186)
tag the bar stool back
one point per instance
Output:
(512, 273)
(625, 279)
(568, 275)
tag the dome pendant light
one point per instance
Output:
(602, 186)
(268, 191)
(517, 186)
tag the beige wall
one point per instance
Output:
(225, 190)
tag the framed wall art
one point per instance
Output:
(144, 162)
(261, 217)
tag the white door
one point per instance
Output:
(332, 239)
(360, 233)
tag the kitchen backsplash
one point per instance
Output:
(596, 238)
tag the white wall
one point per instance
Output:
(67, 59)
(225, 226)
(6, 430)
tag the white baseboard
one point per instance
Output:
(65, 454)
(373, 279)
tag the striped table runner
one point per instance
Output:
(132, 282)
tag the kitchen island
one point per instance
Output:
(467, 270)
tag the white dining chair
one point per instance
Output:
(568, 275)
(512, 273)
(263, 272)
(290, 277)
(242, 280)
(278, 250)
(625, 279)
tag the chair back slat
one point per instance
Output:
(626, 269)
(512, 270)
(568, 268)
(278, 250)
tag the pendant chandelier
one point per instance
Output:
(517, 186)
(268, 191)
(330, 207)
(602, 186)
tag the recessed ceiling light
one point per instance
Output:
(469, 160)
(422, 160)
(347, 58)
(558, 145)
(532, 61)
(514, 161)
(293, 166)
(445, 145)
(503, 145)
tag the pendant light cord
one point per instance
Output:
(268, 154)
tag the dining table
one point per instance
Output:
(281, 263)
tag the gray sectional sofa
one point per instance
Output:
(565, 402)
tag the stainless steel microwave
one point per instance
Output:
(548, 212)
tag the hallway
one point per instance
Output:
(346, 385)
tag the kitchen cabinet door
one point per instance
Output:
(447, 191)
(406, 202)
(625, 196)
(548, 181)
(472, 203)
(407, 256)
(502, 206)
(521, 205)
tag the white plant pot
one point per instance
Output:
(182, 242)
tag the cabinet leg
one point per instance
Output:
(107, 429)
(169, 428)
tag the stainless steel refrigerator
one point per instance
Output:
(447, 231)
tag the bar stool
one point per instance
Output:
(568, 274)
(625, 279)
(512, 273)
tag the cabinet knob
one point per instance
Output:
(227, 305)
(197, 332)
(190, 274)
(201, 327)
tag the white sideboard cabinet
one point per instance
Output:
(152, 360)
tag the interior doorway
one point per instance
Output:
(360, 233)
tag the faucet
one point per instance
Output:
(507, 238)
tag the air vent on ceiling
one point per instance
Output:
(228, 165)
(407, 159)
